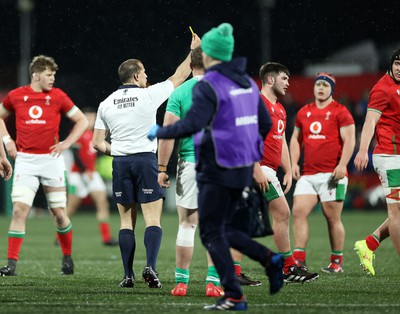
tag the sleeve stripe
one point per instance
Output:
(375, 110)
(72, 111)
(2, 107)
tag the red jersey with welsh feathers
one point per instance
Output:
(272, 154)
(87, 154)
(37, 117)
(320, 133)
(385, 99)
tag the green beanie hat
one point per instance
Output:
(218, 43)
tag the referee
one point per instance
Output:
(128, 115)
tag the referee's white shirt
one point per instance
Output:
(129, 113)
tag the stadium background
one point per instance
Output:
(89, 39)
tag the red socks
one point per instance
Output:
(105, 231)
(65, 242)
(299, 254)
(14, 246)
(372, 242)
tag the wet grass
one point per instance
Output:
(94, 287)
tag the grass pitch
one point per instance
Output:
(98, 269)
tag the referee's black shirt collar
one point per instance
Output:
(128, 86)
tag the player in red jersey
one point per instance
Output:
(325, 130)
(275, 81)
(38, 155)
(383, 119)
(84, 180)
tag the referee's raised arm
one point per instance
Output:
(183, 70)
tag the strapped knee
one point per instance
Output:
(23, 194)
(185, 236)
(57, 199)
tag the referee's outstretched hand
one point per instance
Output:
(153, 132)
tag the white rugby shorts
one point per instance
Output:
(317, 184)
(388, 169)
(81, 185)
(186, 186)
(275, 188)
(32, 169)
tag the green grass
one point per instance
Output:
(94, 287)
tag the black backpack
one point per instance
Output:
(251, 213)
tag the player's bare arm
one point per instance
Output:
(348, 136)
(260, 177)
(80, 126)
(165, 148)
(5, 166)
(8, 142)
(99, 142)
(368, 130)
(286, 166)
(295, 153)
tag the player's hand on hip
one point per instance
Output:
(57, 149)
(153, 132)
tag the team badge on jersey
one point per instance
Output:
(26, 98)
(308, 114)
(398, 92)
(327, 115)
(47, 102)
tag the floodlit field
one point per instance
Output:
(94, 287)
